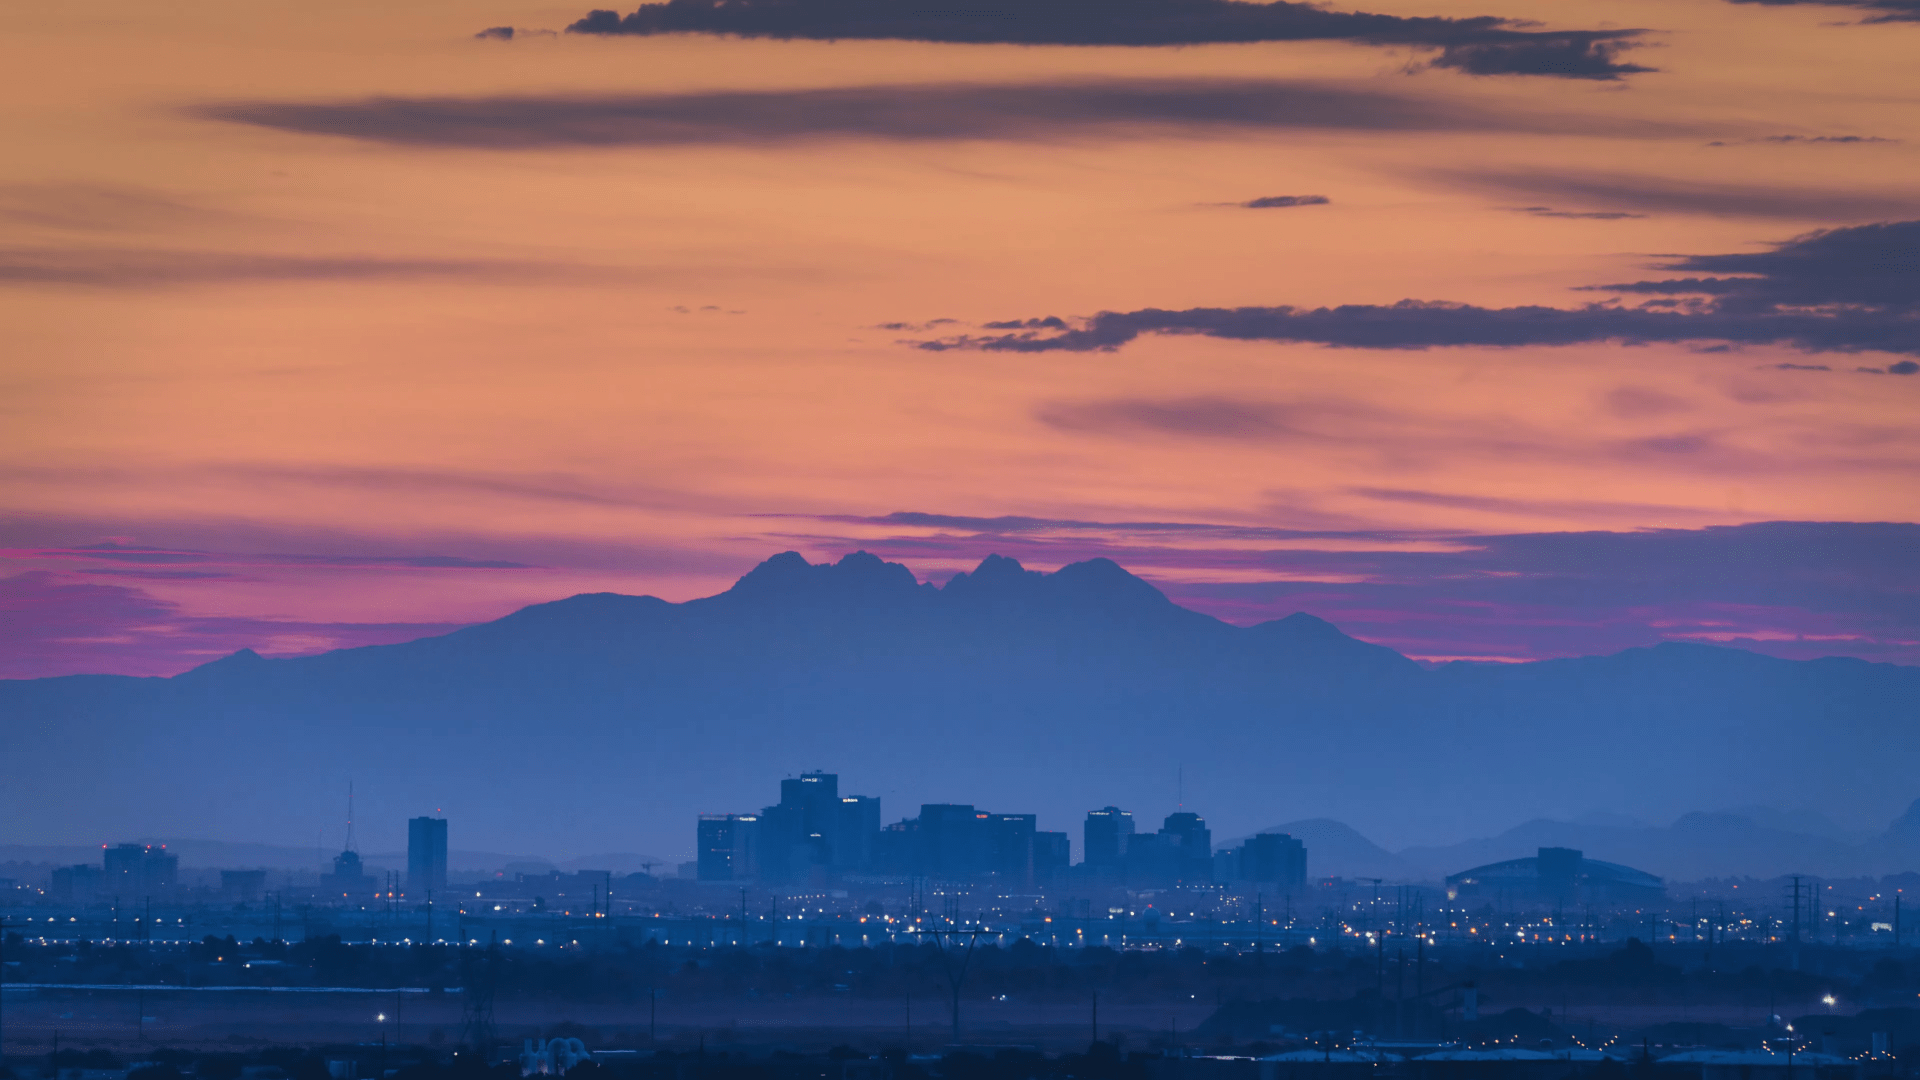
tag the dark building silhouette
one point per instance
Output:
(1052, 857)
(1010, 847)
(243, 886)
(812, 833)
(796, 834)
(1107, 834)
(1180, 853)
(1189, 847)
(348, 876)
(855, 830)
(1273, 858)
(729, 847)
(954, 843)
(960, 842)
(426, 854)
(80, 884)
(1558, 877)
(139, 870)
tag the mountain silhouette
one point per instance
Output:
(604, 722)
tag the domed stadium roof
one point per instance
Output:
(1557, 874)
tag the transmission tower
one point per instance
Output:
(479, 972)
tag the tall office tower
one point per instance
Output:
(729, 847)
(953, 839)
(426, 855)
(1108, 832)
(1276, 858)
(898, 850)
(856, 826)
(1010, 844)
(816, 796)
(1196, 840)
(796, 833)
(139, 870)
(1052, 854)
(1192, 849)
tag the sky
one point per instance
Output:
(1485, 329)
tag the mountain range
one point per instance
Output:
(1747, 842)
(606, 722)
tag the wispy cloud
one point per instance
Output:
(1807, 140)
(54, 625)
(1592, 215)
(80, 206)
(152, 268)
(1636, 194)
(128, 553)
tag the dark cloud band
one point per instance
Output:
(1881, 11)
(918, 112)
(1481, 45)
(1842, 290)
(1275, 202)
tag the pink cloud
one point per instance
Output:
(51, 624)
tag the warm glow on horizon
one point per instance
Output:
(299, 380)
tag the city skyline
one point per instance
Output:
(856, 664)
(1395, 330)
(1047, 540)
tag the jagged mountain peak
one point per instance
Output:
(1100, 583)
(789, 575)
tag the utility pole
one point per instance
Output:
(1420, 981)
(1794, 937)
(1400, 994)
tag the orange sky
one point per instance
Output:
(644, 368)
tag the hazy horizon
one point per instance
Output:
(1481, 328)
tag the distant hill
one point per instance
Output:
(605, 722)
(1336, 850)
(1749, 842)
